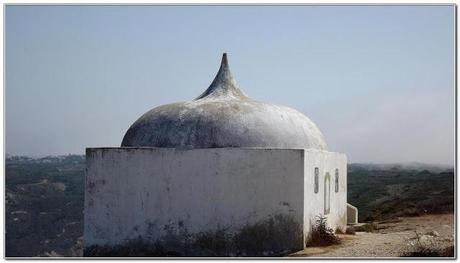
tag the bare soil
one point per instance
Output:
(391, 239)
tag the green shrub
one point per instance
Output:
(321, 235)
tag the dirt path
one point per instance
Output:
(391, 238)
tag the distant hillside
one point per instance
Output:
(44, 205)
(434, 168)
(389, 190)
(44, 199)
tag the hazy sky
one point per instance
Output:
(377, 80)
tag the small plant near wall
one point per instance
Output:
(321, 235)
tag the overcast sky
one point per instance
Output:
(377, 80)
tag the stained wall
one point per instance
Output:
(164, 193)
(151, 192)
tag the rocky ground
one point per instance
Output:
(391, 238)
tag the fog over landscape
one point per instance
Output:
(378, 81)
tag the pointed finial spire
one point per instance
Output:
(223, 85)
(224, 62)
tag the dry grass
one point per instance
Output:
(427, 248)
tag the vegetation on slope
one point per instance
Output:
(384, 192)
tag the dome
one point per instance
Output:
(224, 116)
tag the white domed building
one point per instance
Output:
(221, 175)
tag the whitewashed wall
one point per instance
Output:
(327, 162)
(132, 192)
(142, 191)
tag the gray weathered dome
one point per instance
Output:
(223, 116)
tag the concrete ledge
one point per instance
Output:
(352, 215)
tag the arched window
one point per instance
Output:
(316, 179)
(336, 180)
(327, 194)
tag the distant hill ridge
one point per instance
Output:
(417, 166)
